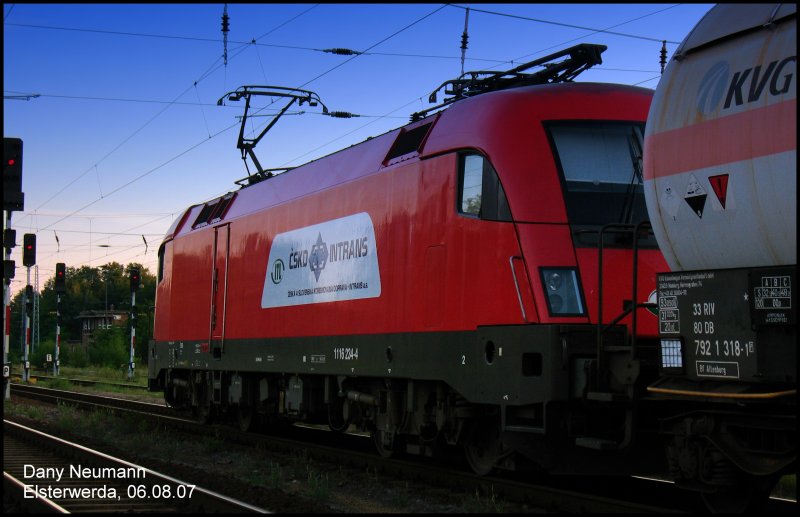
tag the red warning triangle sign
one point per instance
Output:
(719, 184)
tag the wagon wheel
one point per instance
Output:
(245, 417)
(749, 495)
(482, 446)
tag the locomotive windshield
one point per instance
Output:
(601, 169)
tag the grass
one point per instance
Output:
(102, 373)
(107, 379)
(276, 476)
(488, 503)
(92, 373)
(786, 487)
(32, 412)
(319, 485)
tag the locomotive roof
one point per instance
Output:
(450, 129)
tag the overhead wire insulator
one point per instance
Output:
(464, 38)
(225, 30)
(341, 114)
(663, 55)
(342, 51)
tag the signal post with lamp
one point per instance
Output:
(135, 283)
(60, 287)
(13, 199)
(9, 267)
(28, 260)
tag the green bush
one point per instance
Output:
(110, 348)
(76, 357)
(39, 357)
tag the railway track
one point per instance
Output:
(16, 377)
(46, 473)
(357, 452)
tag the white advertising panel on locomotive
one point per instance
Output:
(327, 262)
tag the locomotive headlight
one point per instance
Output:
(563, 289)
(554, 282)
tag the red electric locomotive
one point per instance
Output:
(482, 277)
(438, 284)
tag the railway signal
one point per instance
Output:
(29, 250)
(61, 285)
(135, 279)
(9, 239)
(13, 197)
(29, 300)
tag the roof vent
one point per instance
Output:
(214, 211)
(408, 143)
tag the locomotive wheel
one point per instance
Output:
(482, 447)
(244, 417)
(383, 450)
(750, 495)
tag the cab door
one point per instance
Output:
(219, 288)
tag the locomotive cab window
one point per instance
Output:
(480, 192)
(601, 167)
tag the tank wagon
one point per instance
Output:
(721, 189)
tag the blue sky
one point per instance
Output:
(125, 132)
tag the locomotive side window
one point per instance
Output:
(480, 192)
(161, 251)
(471, 184)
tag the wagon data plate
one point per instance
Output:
(717, 316)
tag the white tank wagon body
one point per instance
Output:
(721, 142)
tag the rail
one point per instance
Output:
(97, 481)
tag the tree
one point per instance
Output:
(110, 348)
(90, 288)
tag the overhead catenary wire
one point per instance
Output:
(122, 233)
(204, 75)
(141, 176)
(561, 24)
(242, 49)
(369, 48)
(333, 51)
(296, 158)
